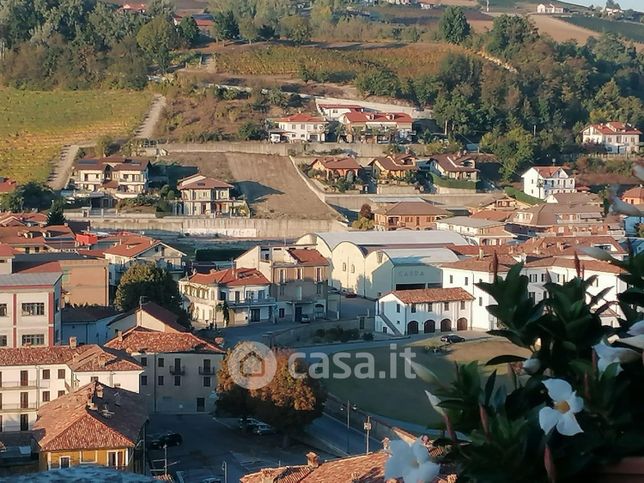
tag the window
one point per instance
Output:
(445, 305)
(3, 341)
(24, 422)
(282, 276)
(206, 381)
(344, 267)
(61, 373)
(462, 304)
(144, 361)
(45, 374)
(144, 380)
(430, 307)
(413, 308)
(31, 309)
(160, 362)
(177, 380)
(480, 301)
(280, 313)
(33, 339)
(160, 381)
(318, 274)
(467, 281)
(543, 277)
(3, 310)
(94, 379)
(451, 279)
(299, 274)
(61, 393)
(63, 462)
(531, 295)
(282, 290)
(45, 396)
(398, 308)
(353, 268)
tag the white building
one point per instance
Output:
(477, 231)
(333, 111)
(424, 310)
(88, 324)
(616, 137)
(202, 195)
(300, 128)
(542, 181)
(33, 376)
(549, 9)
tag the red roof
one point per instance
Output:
(430, 295)
(203, 183)
(615, 127)
(308, 256)
(637, 192)
(485, 264)
(6, 251)
(83, 358)
(16, 219)
(302, 117)
(454, 164)
(547, 171)
(163, 315)
(140, 339)
(337, 163)
(590, 265)
(377, 117)
(132, 246)
(233, 277)
(7, 185)
(36, 267)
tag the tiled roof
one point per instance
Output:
(7, 185)
(139, 339)
(615, 127)
(390, 164)
(233, 277)
(566, 245)
(454, 163)
(547, 214)
(588, 265)
(36, 267)
(492, 215)
(82, 358)
(25, 218)
(301, 117)
(202, 182)
(132, 246)
(470, 222)
(46, 279)
(117, 163)
(417, 208)
(6, 251)
(547, 171)
(91, 313)
(377, 117)
(161, 314)
(308, 257)
(576, 198)
(485, 264)
(636, 192)
(337, 163)
(429, 295)
(69, 423)
(56, 236)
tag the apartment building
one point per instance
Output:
(299, 127)
(244, 293)
(543, 181)
(298, 277)
(33, 376)
(408, 215)
(616, 137)
(116, 175)
(179, 369)
(477, 231)
(38, 239)
(202, 195)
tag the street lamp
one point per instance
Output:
(367, 428)
(349, 407)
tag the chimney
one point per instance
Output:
(99, 391)
(119, 335)
(312, 459)
(481, 254)
(73, 342)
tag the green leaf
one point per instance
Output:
(504, 359)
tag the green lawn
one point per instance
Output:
(629, 30)
(402, 398)
(34, 125)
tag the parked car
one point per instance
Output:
(305, 319)
(158, 441)
(248, 425)
(264, 428)
(452, 338)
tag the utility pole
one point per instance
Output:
(224, 467)
(367, 428)
(165, 460)
(348, 427)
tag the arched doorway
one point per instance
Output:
(412, 327)
(461, 324)
(446, 325)
(429, 327)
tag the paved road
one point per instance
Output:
(334, 433)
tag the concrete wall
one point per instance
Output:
(354, 202)
(233, 227)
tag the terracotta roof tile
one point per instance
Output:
(337, 163)
(587, 265)
(615, 127)
(377, 117)
(484, 264)
(454, 163)
(430, 295)
(36, 267)
(308, 257)
(635, 192)
(84, 357)
(6, 251)
(15, 219)
(139, 339)
(68, 423)
(492, 215)
(202, 182)
(417, 208)
(232, 277)
(302, 117)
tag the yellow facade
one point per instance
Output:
(103, 457)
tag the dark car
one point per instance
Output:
(452, 338)
(158, 441)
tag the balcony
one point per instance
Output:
(252, 302)
(178, 370)
(207, 371)
(18, 407)
(32, 384)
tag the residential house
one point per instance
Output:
(148, 315)
(179, 368)
(34, 376)
(580, 198)
(408, 215)
(88, 324)
(298, 277)
(333, 168)
(634, 196)
(26, 218)
(393, 166)
(133, 7)
(245, 292)
(116, 175)
(542, 181)
(563, 220)
(377, 127)
(95, 425)
(549, 9)
(454, 166)
(37, 239)
(7, 185)
(30, 302)
(500, 202)
(204, 22)
(568, 246)
(424, 310)
(299, 128)
(492, 215)
(477, 231)
(202, 195)
(133, 249)
(332, 112)
(616, 137)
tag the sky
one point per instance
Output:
(625, 4)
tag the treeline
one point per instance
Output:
(73, 44)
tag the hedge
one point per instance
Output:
(522, 197)
(453, 183)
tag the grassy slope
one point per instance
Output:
(629, 30)
(34, 125)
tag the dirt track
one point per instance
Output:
(271, 185)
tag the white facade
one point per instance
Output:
(617, 138)
(549, 9)
(541, 182)
(302, 130)
(465, 279)
(159, 253)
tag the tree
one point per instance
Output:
(226, 26)
(453, 25)
(513, 150)
(188, 30)
(56, 215)
(152, 282)
(378, 82)
(365, 211)
(158, 38)
(104, 145)
(248, 30)
(296, 28)
(160, 8)
(29, 196)
(225, 312)
(252, 131)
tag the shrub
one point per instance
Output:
(367, 336)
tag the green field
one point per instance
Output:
(34, 125)
(404, 399)
(628, 30)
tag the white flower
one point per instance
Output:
(531, 365)
(637, 328)
(562, 414)
(434, 401)
(608, 355)
(598, 253)
(412, 462)
(637, 341)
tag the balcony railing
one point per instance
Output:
(207, 371)
(178, 370)
(31, 384)
(253, 301)
(17, 407)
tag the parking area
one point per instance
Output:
(209, 442)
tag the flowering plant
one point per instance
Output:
(574, 405)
